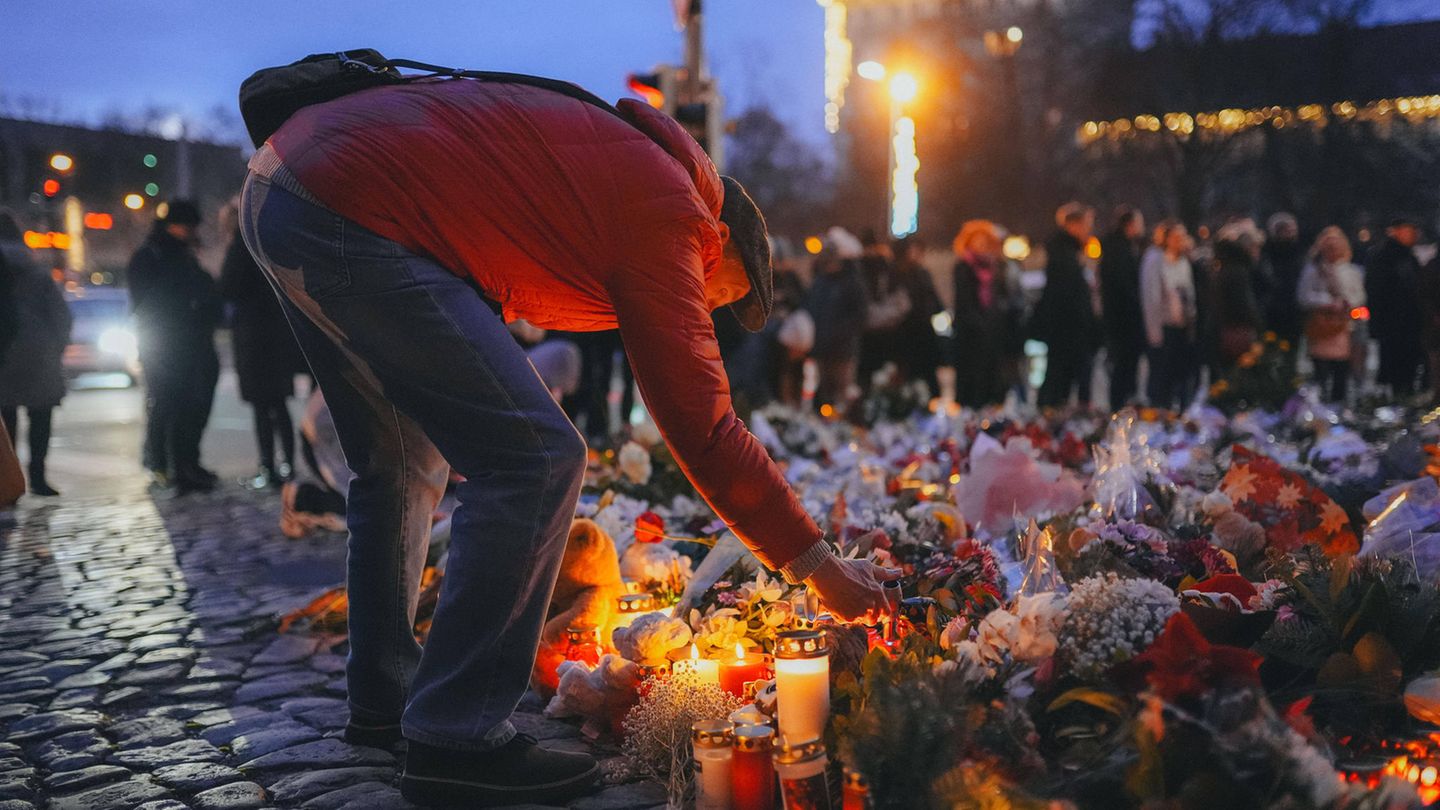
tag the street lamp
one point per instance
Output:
(903, 193)
(62, 162)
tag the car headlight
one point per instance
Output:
(118, 341)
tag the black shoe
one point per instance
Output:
(39, 486)
(186, 484)
(373, 736)
(519, 772)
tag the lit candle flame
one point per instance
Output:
(739, 651)
(694, 653)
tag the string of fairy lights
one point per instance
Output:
(1411, 109)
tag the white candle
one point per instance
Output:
(712, 740)
(700, 670)
(802, 684)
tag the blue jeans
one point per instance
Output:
(419, 372)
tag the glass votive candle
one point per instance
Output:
(713, 741)
(801, 768)
(802, 683)
(583, 644)
(856, 793)
(752, 771)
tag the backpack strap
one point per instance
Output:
(499, 77)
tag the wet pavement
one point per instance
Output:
(140, 666)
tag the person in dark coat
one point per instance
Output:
(267, 358)
(837, 303)
(1392, 288)
(918, 348)
(1120, 308)
(1233, 312)
(983, 316)
(177, 310)
(31, 374)
(1064, 317)
(886, 306)
(1282, 262)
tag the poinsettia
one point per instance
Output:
(1182, 664)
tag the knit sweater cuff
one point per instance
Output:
(799, 569)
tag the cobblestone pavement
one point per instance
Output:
(140, 667)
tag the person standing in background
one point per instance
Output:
(982, 316)
(1120, 310)
(918, 352)
(177, 310)
(1234, 314)
(1064, 317)
(267, 358)
(1283, 259)
(1392, 286)
(887, 304)
(1329, 287)
(1167, 293)
(837, 304)
(31, 374)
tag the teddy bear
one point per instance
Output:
(585, 595)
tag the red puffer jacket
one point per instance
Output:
(573, 220)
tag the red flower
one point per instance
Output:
(1181, 663)
(649, 528)
(1233, 584)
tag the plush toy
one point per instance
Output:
(589, 583)
(585, 595)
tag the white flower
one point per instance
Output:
(1112, 620)
(618, 519)
(651, 638)
(652, 564)
(634, 463)
(1039, 618)
(646, 433)
(997, 634)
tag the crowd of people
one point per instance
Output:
(1154, 305)
(1157, 305)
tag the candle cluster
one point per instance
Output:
(751, 760)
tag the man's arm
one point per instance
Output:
(671, 344)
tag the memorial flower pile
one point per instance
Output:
(1217, 609)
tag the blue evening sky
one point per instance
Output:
(90, 56)
(93, 55)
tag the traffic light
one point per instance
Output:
(51, 187)
(702, 116)
(657, 88)
(705, 121)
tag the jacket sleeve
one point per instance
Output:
(659, 301)
(1311, 291)
(1152, 303)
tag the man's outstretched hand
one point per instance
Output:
(853, 590)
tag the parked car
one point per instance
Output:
(102, 339)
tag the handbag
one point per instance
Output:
(12, 480)
(1325, 324)
(271, 95)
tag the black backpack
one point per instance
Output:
(271, 95)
